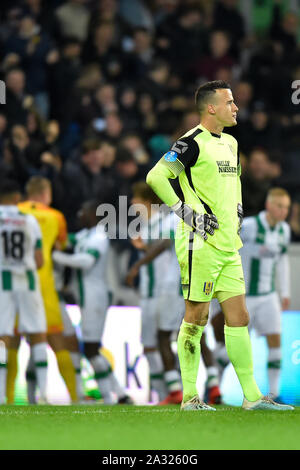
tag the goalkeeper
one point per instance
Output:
(207, 240)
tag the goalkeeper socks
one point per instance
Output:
(239, 351)
(3, 372)
(103, 372)
(39, 354)
(156, 370)
(274, 365)
(189, 349)
(12, 371)
(67, 371)
(76, 359)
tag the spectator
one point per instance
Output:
(17, 101)
(256, 182)
(63, 75)
(138, 61)
(89, 178)
(36, 51)
(226, 17)
(219, 57)
(134, 144)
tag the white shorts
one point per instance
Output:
(265, 313)
(93, 316)
(160, 313)
(69, 329)
(30, 309)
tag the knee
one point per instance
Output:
(244, 319)
(240, 320)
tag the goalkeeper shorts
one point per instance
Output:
(205, 270)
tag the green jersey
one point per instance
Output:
(208, 169)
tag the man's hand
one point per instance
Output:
(285, 303)
(240, 214)
(133, 272)
(138, 243)
(201, 223)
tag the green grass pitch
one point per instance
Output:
(146, 428)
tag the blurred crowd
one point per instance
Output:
(98, 90)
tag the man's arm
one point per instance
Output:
(76, 260)
(283, 272)
(39, 258)
(183, 154)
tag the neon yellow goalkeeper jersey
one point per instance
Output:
(208, 168)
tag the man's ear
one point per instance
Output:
(211, 109)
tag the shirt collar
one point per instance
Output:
(211, 133)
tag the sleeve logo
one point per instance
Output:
(171, 156)
(180, 146)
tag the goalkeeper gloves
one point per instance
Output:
(201, 223)
(240, 214)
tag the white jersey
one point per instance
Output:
(162, 274)
(92, 281)
(20, 236)
(265, 252)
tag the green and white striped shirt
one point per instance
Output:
(162, 275)
(264, 253)
(20, 236)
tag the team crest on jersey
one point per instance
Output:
(207, 288)
(171, 156)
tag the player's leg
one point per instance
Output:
(116, 387)
(4, 346)
(12, 368)
(171, 374)
(31, 380)
(274, 364)
(56, 339)
(32, 322)
(55, 336)
(8, 304)
(151, 350)
(64, 362)
(170, 313)
(38, 345)
(72, 345)
(212, 389)
(240, 354)
(92, 325)
(238, 344)
(217, 321)
(102, 370)
(199, 268)
(189, 349)
(268, 323)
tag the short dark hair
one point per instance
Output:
(124, 155)
(206, 91)
(90, 144)
(142, 189)
(8, 188)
